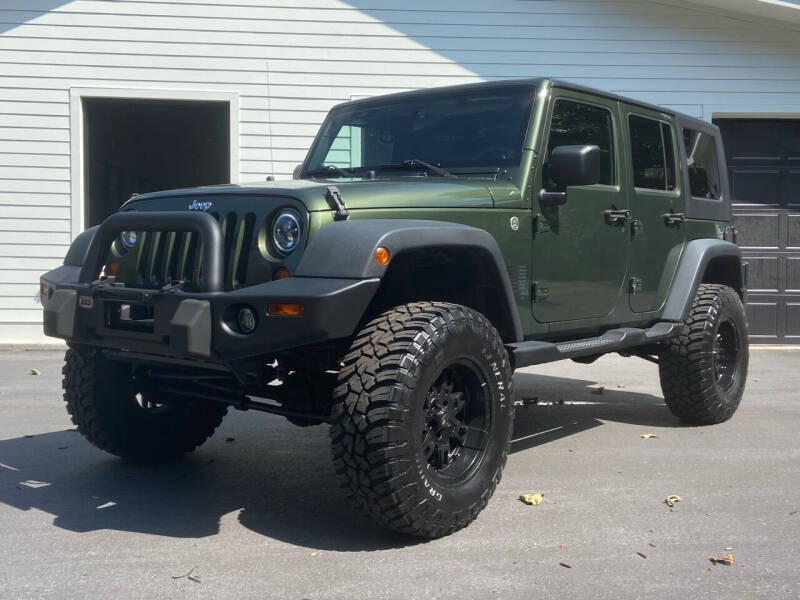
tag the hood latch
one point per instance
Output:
(334, 198)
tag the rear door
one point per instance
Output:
(657, 206)
(579, 258)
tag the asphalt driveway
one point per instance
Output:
(256, 512)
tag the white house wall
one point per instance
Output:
(290, 61)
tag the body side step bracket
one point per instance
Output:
(525, 354)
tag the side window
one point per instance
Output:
(653, 154)
(575, 123)
(701, 162)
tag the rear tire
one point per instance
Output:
(423, 414)
(106, 404)
(704, 369)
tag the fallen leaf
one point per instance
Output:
(672, 500)
(181, 576)
(565, 565)
(34, 372)
(314, 553)
(725, 559)
(599, 390)
(648, 436)
(532, 499)
(528, 401)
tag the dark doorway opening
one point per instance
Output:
(137, 146)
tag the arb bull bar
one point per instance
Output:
(198, 324)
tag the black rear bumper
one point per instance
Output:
(200, 325)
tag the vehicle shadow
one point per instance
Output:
(551, 408)
(273, 478)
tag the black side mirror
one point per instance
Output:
(571, 166)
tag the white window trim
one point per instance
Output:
(76, 152)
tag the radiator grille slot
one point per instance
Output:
(167, 256)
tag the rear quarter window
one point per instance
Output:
(702, 164)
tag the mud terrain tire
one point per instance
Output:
(703, 370)
(423, 415)
(101, 398)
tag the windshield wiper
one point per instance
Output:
(329, 169)
(415, 163)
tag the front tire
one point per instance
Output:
(115, 415)
(704, 369)
(423, 415)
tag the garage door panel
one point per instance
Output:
(758, 230)
(790, 189)
(793, 231)
(762, 273)
(793, 274)
(762, 319)
(793, 320)
(755, 186)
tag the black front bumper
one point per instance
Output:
(198, 325)
(194, 325)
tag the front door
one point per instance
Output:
(580, 256)
(657, 208)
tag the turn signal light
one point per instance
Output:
(112, 270)
(286, 309)
(281, 273)
(381, 255)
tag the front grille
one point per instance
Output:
(167, 256)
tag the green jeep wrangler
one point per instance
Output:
(431, 243)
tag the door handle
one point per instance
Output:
(614, 217)
(674, 218)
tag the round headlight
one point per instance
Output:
(128, 239)
(286, 231)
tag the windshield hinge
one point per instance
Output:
(334, 198)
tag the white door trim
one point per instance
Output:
(76, 161)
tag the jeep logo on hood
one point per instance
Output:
(204, 206)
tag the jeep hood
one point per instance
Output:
(399, 192)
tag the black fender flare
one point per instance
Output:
(345, 249)
(697, 256)
(76, 255)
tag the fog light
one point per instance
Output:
(247, 320)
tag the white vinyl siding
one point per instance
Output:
(290, 61)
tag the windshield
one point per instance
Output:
(454, 129)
